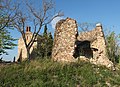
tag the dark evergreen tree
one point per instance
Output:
(49, 44)
(45, 42)
(6, 41)
(45, 30)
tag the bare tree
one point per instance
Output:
(39, 17)
(86, 26)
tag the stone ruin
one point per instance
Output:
(69, 46)
(64, 40)
(22, 51)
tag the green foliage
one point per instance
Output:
(46, 73)
(45, 30)
(113, 49)
(6, 41)
(45, 42)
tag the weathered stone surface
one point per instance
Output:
(68, 45)
(22, 51)
(64, 40)
(97, 40)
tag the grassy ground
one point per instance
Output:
(46, 73)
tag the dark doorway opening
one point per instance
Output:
(83, 49)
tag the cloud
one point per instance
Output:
(54, 21)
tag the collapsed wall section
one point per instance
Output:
(64, 40)
(97, 44)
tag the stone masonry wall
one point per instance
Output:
(64, 40)
(66, 34)
(97, 40)
(22, 51)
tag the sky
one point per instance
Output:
(106, 12)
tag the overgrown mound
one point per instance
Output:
(46, 73)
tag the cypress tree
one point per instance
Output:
(45, 42)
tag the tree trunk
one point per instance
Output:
(28, 54)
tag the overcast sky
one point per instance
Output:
(106, 12)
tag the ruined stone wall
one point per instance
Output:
(22, 51)
(97, 40)
(64, 40)
(66, 36)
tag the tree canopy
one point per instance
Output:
(6, 18)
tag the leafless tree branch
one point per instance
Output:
(39, 18)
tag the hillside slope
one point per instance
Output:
(46, 73)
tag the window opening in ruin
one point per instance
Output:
(83, 49)
(27, 37)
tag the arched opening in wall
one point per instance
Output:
(83, 49)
